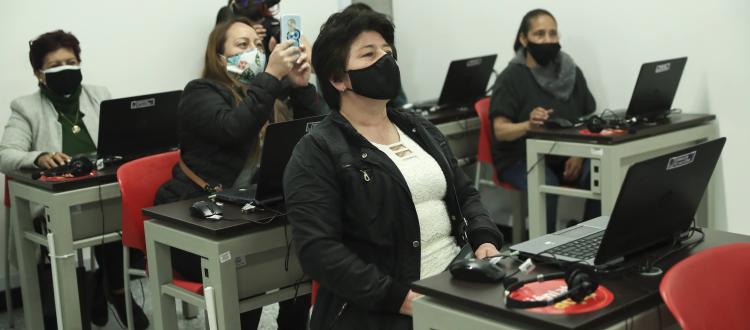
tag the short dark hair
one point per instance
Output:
(526, 25)
(331, 49)
(358, 7)
(50, 42)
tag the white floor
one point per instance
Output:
(267, 321)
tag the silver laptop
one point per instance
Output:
(657, 203)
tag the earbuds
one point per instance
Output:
(581, 282)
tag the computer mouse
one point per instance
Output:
(205, 209)
(476, 270)
(557, 122)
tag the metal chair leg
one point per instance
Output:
(8, 288)
(126, 282)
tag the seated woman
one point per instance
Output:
(56, 122)
(374, 195)
(221, 117)
(539, 82)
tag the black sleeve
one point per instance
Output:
(480, 229)
(306, 102)
(314, 207)
(505, 100)
(206, 112)
(589, 105)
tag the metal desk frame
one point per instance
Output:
(220, 279)
(609, 164)
(60, 241)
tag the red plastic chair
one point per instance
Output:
(709, 290)
(484, 158)
(139, 180)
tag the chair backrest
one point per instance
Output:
(709, 290)
(139, 179)
(484, 145)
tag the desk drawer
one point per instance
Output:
(266, 270)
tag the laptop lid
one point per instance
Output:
(278, 144)
(467, 80)
(133, 127)
(658, 200)
(655, 89)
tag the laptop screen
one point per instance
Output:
(467, 80)
(655, 89)
(137, 126)
(658, 200)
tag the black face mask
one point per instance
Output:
(543, 53)
(381, 80)
(65, 81)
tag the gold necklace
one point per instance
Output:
(76, 129)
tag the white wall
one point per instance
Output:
(609, 40)
(132, 47)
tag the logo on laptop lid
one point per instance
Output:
(680, 161)
(145, 103)
(663, 67)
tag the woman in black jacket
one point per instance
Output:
(374, 195)
(221, 117)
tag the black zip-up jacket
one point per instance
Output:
(355, 226)
(217, 134)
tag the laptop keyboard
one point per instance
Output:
(582, 248)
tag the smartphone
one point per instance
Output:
(291, 29)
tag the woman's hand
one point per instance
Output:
(283, 59)
(538, 116)
(299, 76)
(573, 168)
(486, 250)
(50, 160)
(406, 306)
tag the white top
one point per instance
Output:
(426, 182)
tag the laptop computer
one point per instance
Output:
(655, 89)
(657, 202)
(278, 144)
(137, 126)
(465, 83)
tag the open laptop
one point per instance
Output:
(465, 83)
(657, 203)
(655, 89)
(137, 126)
(278, 144)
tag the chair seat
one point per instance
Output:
(194, 287)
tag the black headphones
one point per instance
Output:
(595, 124)
(581, 282)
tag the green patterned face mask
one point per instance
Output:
(247, 64)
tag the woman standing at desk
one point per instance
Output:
(221, 117)
(58, 121)
(540, 82)
(374, 195)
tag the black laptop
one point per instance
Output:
(655, 89)
(465, 83)
(138, 126)
(278, 144)
(657, 203)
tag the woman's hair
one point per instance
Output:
(331, 49)
(526, 25)
(214, 67)
(358, 7)
(50, 42)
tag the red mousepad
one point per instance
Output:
(65, 178)
(604, 132)
(547, 290)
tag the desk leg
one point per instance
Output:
(59, 223)
(537, 202)
(222, 277)
(26, 252)
(160, 273)
(611, 180)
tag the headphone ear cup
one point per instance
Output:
(581, 283)
(595, 124)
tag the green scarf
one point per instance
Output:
(69, 114)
